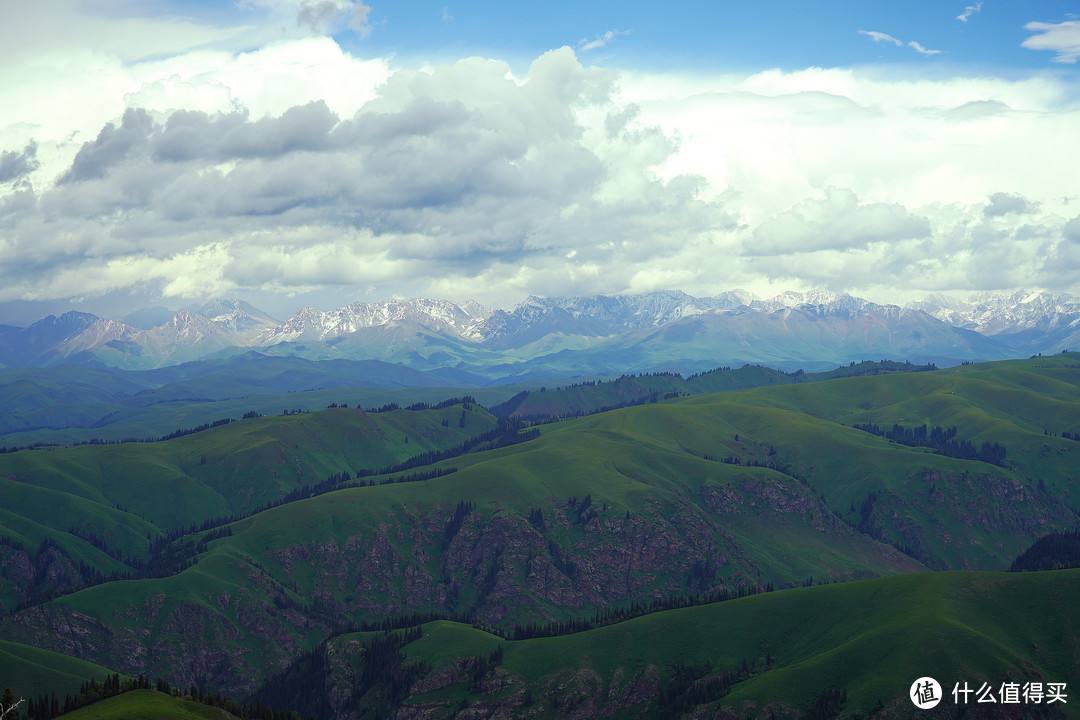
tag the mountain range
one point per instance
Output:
(560, 337)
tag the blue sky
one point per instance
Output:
(319, 152)
(718, 36)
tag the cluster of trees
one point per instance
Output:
(696, 684)
(1050, 552)
(101, 441)
(635, 609)
(32, 446)
(170, 436)
(462, 511)
(384, 679)
(941, 440)
(47, 707)
(582, 511)
(504, 434)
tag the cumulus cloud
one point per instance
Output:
(836, 221)
(297, 169)
(1062, 38)
(17, 165)
(1071, 231)
(1006, 203)
(445, 173)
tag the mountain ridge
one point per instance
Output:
(554, 335)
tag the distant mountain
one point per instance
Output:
(52, 338)
(441, 316)
(238, 316)
(598, 315)
(811, 337)
(1029, 321)
(564, 336)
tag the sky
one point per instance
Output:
(321, 152)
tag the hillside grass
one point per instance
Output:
(31, 672)
(872, 638)
(148, 705)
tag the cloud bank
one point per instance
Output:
(299, 170)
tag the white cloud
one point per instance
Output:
(1002, 203)
(441, 174)
(921, 50)
(835, 221)
(1062, 38)
(296, 167)
(600, 40)
(881, 37)
(969, 11)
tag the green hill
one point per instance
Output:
(31, 672)
(869, 639)
(685, 496)
(148, 705)
(94, 509)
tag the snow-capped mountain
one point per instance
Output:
(189, 333)
(1032, 322)
(600, 315)
(572, 335)
(309, 324)
(239, 317)
(832, 302)
(991, 313)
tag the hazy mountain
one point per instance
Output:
(27, 346)
(309, 324)
(548, 337)
(1031, 322)
(599, 315)
(238, 316)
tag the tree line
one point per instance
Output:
(941, 440)
(47, 706)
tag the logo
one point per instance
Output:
(925, 693)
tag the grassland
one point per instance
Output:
(870, 638)
(148, 705)
(31, 671)
(766, 485)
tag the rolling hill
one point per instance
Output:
(594, 517)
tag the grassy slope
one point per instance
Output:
(30, 671)
(116, 422)
(648, 461)
(871, 638)
(1009, 402)
(148, 705)
(555, 400)
(125, 493)
(624, 472)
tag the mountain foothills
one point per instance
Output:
(560, 337)
(738, 543)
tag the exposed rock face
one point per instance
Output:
(254, 615)
(48, 572)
